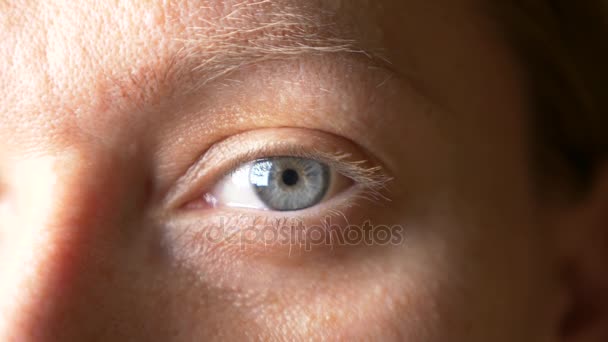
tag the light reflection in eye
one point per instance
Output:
(280, 184)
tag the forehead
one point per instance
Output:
(72, 40)
(66, 61)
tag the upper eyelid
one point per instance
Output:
(215, 114)
(371, 177)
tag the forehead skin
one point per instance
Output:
(71, 63)
(105, 104)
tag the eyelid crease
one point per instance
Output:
(369, 178)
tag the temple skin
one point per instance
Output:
(106, 105)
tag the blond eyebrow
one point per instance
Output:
(253, 32)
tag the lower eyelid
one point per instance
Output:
(244, 233)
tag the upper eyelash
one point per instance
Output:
(373, 180)
(370, 180)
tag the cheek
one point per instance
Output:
(488, 273)
(466, 270)
(365, 300)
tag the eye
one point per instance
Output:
(279, 170)
(278, 183)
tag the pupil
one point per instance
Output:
(290, 177)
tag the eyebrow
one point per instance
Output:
(253, 32)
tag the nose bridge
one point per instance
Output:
(54, 210)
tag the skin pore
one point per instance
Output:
(118, 117)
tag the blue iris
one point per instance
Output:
(289, 183)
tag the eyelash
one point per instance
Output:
(191, 230)
(369, 182)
